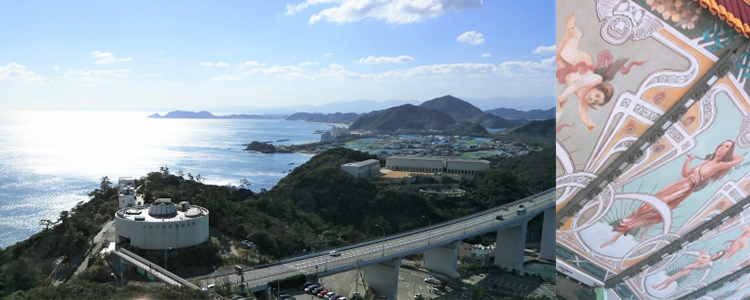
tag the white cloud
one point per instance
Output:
(274, 70)
(95, 75)
(250, 63)
(513, 66)
(440, 69)
(292, 9)
(529, 69)
(224, 77)
(218, 64)
(545, 50)
(486, 55)
(471, 37)
(107, 58)
(56, 67)
(385, 60)
(335, 66)
(307, 63)
(392, 11)
(152, 75)
(17, 73)
(328, 54)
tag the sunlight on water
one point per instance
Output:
(50, 160)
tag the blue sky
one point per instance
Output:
(197, 54)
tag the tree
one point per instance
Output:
(46, 223)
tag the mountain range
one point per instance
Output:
(345, 118)
(514, 114)
(365, 106)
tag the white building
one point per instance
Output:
(363, 169)
(339, 131)
(431, 164)
(466, 166)
(415, 164)
(162, 225)
(326, 137)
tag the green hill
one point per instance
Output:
(461, 110)
(410, 117)
(537, 128)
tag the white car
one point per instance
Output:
(334, 253)
(209, 287)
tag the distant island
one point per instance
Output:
(180, 114)
(262, 147)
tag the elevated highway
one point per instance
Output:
(439, 242)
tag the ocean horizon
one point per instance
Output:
(53, 159)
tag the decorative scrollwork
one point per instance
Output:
(646, 113)
(625, 103)
(675, 134)
(624, 20)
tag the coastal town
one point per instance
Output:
(430, 145)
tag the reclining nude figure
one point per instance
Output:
(714, 167)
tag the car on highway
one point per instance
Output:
(431, 280)
(499, 218)
(521, 210)
(334, 253)
(209, 287)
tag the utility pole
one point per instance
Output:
(376, 225)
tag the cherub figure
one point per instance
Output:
(588, 82)
(738, 244)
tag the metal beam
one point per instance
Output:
(678, 244)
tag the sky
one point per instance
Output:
(196, 54)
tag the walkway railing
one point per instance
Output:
(157, 271)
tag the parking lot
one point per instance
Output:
(505, 284)
(410, 283)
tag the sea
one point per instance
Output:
(51, 160)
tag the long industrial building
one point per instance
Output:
(433, 164)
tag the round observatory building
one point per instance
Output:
(162, 225)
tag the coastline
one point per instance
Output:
(327, 123)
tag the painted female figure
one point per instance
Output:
(588, 82)
(703, 260)
(713, 168)
(738, 244)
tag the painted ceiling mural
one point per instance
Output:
(645, 55)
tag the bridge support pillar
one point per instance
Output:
(383, 278)
(510, 247)
(547, 249)
(443, 259)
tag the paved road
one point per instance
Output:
(396, 246)
(104, 235)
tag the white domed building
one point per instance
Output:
(162, 225)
